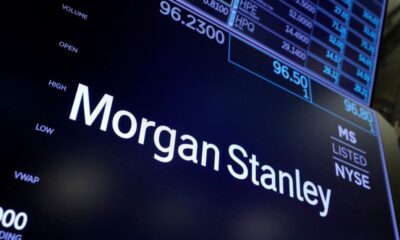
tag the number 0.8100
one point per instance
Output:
(9, 218)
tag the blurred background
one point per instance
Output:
(386, 99)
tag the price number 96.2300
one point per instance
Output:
(192, 22)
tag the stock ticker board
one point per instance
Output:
(333, 42)
(197, 119)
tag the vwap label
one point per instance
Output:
(10, 219)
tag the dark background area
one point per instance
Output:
(98, 186)
(386, 98)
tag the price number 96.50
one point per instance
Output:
(292, 75)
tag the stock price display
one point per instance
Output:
(335, 42)
(192, 119)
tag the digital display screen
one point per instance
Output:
(165, 120)
(333, 42)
